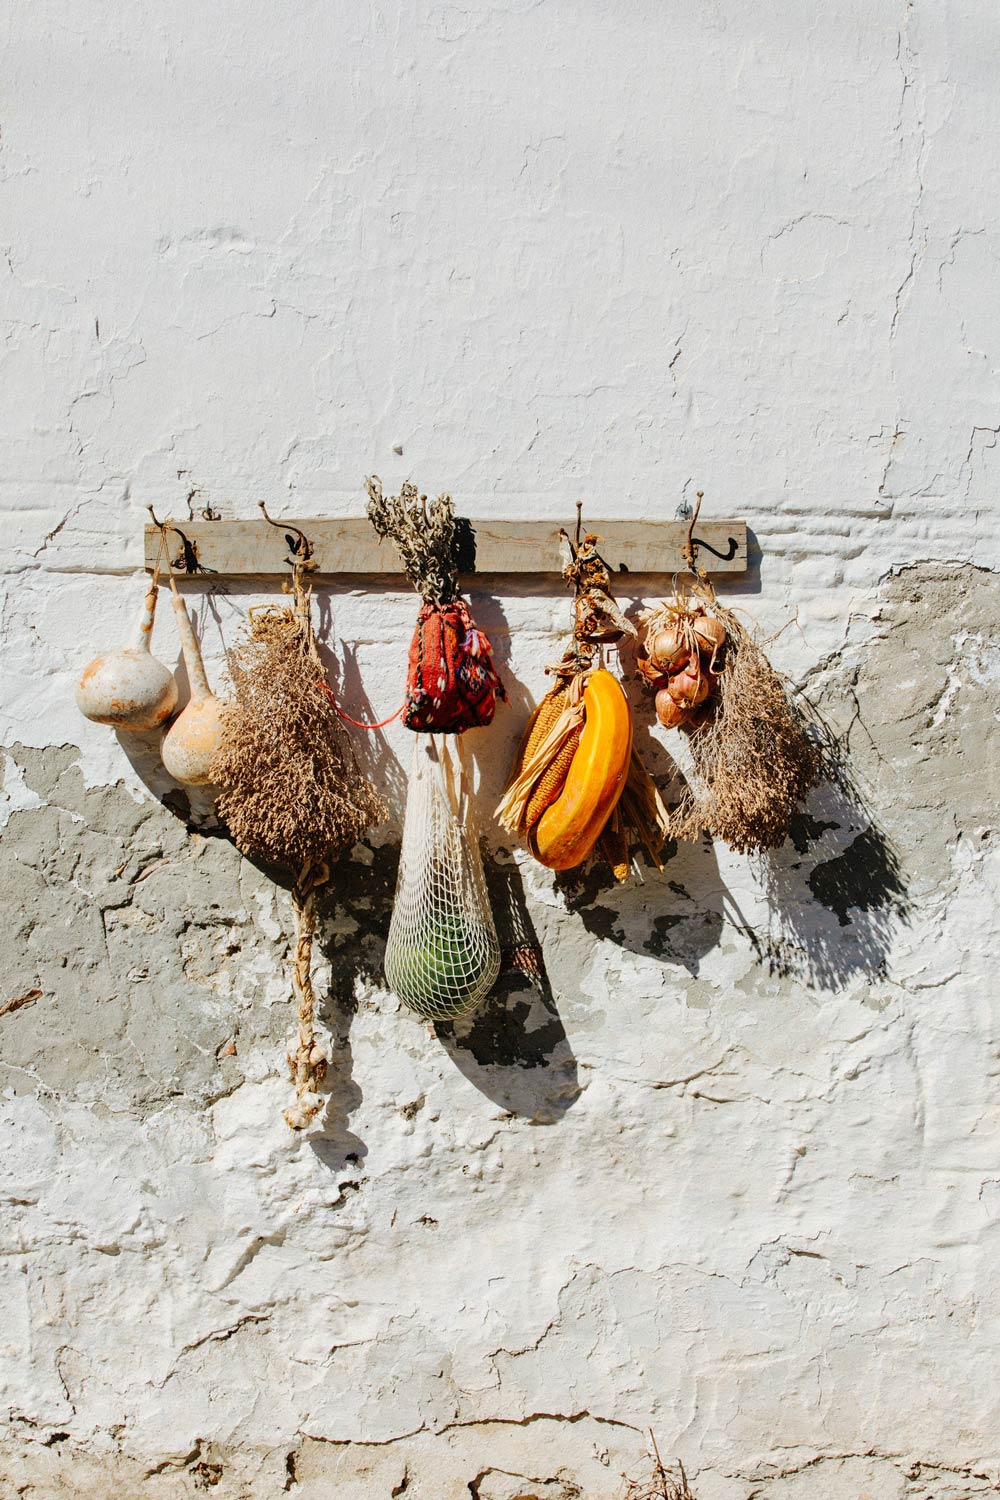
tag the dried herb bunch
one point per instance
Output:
(292, 793)
(424, 536)
(753, 759)
(292, 790)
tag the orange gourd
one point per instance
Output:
(569, 828)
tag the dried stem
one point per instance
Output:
(661, 1484)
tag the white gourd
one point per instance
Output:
(192, 741)
(130, 688)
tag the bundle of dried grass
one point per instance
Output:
(754, 761)
(292, 794)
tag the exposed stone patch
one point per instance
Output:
(172, 939)
(919, 711)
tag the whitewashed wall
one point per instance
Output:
(735, 1175)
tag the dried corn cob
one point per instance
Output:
(614, 846)
(539, 724)
(558, 718)
(550, 783)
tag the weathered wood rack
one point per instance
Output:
(263, 549)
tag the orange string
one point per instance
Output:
(325, 686)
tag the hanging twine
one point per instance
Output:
(689, 550)
(308, 1060)
(161, 548)
(359, 723)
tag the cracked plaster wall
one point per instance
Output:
(734, 1173)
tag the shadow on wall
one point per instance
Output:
(514, 1049)
(675, 914)
(335, 1145)
(491, 767)
(371, 747)
(832, 919)
(193, 805)
(354, 912)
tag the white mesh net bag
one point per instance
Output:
(442, 957)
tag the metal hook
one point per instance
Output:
(726, 556)
(299, 544)
(689, 551)
(694, 543)
(187, 559)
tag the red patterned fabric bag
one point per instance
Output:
(452, 683)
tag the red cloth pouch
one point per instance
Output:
(452, 683)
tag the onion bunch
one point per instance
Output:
(679, 657)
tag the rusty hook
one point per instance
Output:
(299, 545)
(691, 547)
(574, 547)
(730, 552)
(187, 559)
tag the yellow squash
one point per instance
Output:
(569, 828)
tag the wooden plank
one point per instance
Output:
(232, 549)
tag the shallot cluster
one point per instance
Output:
(679, 659)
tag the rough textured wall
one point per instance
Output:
(734, 1174)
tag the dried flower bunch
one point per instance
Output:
(424, 537)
